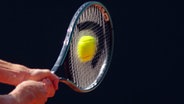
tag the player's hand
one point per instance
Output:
(41, 74)
(14, 74)
(33, 92)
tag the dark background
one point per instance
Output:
(147, 66)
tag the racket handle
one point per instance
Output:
(69, 83)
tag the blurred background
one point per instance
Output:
(147, 66)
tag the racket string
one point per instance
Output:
(84, 74)
(91, 14)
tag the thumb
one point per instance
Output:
(49, 87)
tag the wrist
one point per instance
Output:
(25, 74)
(13, 74)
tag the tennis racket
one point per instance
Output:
(80, 76)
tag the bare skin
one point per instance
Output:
(33, 86)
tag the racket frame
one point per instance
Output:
(66, 44)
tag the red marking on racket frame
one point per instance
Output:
(104, 12)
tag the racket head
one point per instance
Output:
(84, 77)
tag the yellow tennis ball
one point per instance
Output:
(86, 48)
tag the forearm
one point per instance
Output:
(11, 73)
(7, 99)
